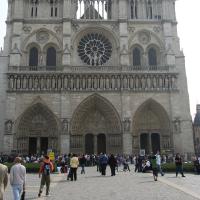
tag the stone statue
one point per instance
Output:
(127, 123)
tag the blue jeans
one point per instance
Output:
(160, 170)
(17, 190)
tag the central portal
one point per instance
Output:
(96, 127)
(89, 144)
(101, 143)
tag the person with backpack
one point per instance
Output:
(45, 169)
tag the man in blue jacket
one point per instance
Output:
(103, 161)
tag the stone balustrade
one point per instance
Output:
(57, 82)
(167, 68)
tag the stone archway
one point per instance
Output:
(151, 128)
(37, 131)
(97, 116)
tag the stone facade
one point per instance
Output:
(196, 128)
(93, 76)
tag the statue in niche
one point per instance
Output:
(95, 82)
(166, 82)
(148, 82)
(113, 82)
(89, 82)
(83, 82)
(8, 126)
(174, 82)
(143, 82)
(107, 82)
(154, 82)
(101, 82)
(125, 82)
(177, 125)
(65, 125)
(11, 82)
(41, 60)
(127, 123)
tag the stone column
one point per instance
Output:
(65, 137)
(95, 144)
(150, 143)
(67, 15)
(127, 137)
(38, 145)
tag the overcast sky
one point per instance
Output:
(188, 16)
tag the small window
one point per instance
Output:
(152, 55)
(51, 58)
(136, 57)
(134, 8)
(33, 57)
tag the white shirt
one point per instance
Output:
(17, 174)
(158, 159)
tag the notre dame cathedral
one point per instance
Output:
(90, 76)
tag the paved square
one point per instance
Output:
(124, 186)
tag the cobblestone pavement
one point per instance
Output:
(124, 186)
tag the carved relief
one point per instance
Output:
(27, 29)
(144, 37)
(156, 29)
(131, 29)
(58, 29)
(42, 37)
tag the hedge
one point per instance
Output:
(30, 167)
(170, 167)
(167, 167)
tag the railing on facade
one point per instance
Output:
(105, 9)
(100, 69)
(57, 82)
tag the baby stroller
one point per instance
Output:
(126, 166)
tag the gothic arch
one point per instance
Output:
(157, 51)
(138, 46)
(95, 106)
(37, 122)
(149, 120)
(154, 38)
(30, 38)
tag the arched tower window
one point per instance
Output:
(34, 8)
(134, 9)
(33, 57)
(136, 57)
(51, 58)
(152, 55)
(53, 8)
(149, 10)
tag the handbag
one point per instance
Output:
(23, 196)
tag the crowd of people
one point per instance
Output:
(69, 164)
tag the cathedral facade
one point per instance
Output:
(91, 76)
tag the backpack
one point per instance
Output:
(46, 169)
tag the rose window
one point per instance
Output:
(94, 49)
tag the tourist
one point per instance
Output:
(126, 165)
(3, 179)
(17, 178)
(45, 169)
(158, 162)
(74, 165)
(154, 167)
(113, 163)
(103, 161)
(179, 165)
(82, 162)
